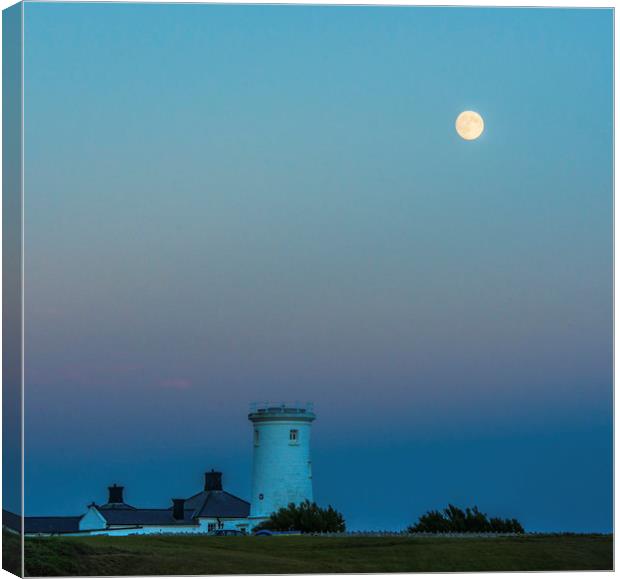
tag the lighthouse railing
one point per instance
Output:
(297, 407)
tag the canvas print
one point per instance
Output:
(306, 289)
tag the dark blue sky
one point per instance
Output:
(235, 203)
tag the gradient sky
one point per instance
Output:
(226, 204)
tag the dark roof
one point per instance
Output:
(118, 506)
(135, 517)
(217, 504)
(41, 524)
(52, 524)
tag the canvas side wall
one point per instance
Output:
(12, 301)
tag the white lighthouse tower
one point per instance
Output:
(281, 471)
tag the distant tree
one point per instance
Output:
(471, 520)
(306, 517)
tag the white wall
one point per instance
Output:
(281, 470)
(154, 530)
(92, 520)
(94, 524)
(228, 524)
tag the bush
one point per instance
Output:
(306, 517)
(471, 520)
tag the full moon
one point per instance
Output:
(469, 125)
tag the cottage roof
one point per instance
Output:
(116, 506)
(46, 525)
(215, 504)
(51, 524)
(138, 517)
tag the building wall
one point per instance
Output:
(92, 520)
(154, 530)
(282, 471)
(226, 524)
(93, 524)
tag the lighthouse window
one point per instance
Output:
(293, 435)
(256, 437)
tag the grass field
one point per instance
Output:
(216, 555)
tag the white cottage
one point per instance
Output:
(210, 510)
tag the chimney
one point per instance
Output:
(213, 481)
(178, 509)
(115, 494)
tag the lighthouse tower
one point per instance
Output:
(281, 471)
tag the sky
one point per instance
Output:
(229, 204)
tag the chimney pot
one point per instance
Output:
(115, 494)
(213, 481)
(178, 509)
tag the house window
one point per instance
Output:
(293, 436)
(211, 527)
(256, 437)
(220, 525)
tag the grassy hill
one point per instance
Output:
(216, 555)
